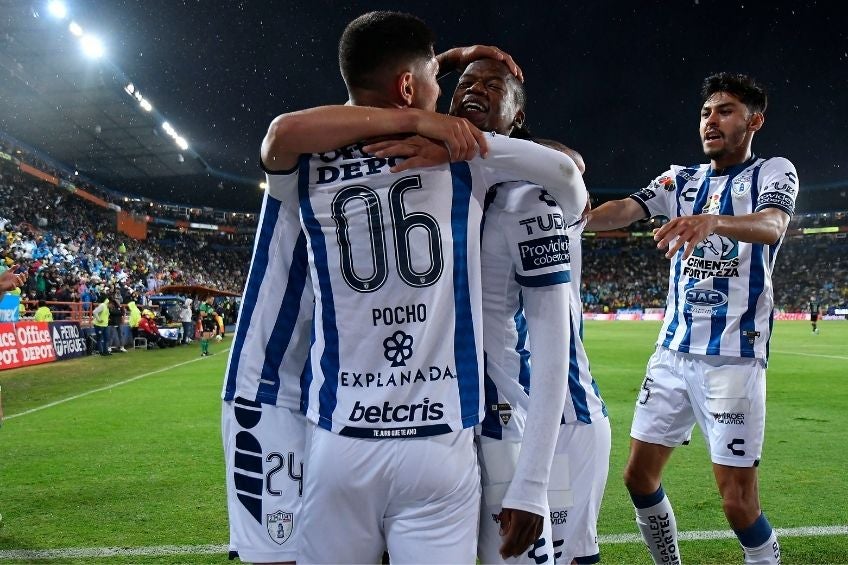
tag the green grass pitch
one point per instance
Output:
(140, 465)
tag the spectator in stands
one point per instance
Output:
(101, 326)
(43, 314)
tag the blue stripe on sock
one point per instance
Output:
(756, 534)
(647, 500)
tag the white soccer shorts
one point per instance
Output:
(498, 459)
(726, 396)
(417, 497)
(581, 465)
(263, 451)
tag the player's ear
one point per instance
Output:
(405, 87)
(518, 121)
(756, 121)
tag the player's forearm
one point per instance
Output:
(765, 227)
(543, 166)
(547, 315)
(614, 214)
(325, 128)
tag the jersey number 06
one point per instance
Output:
(402, 223)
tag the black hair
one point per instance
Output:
(373, 41)
(743, 87)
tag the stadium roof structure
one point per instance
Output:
(79, 113)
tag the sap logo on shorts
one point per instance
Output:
(280, 525)
(422, 412)
(705, 297)
(544, 252)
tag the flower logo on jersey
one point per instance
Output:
(280, 525)
(398, 348)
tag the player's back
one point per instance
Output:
(394, 261)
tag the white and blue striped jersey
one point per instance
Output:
(527, 242)
(584, 402)
(720, 299)
(394, 259)
(272, 337)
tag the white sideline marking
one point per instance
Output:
(113, 385)
(809, 531)
(164, 550)
(843, 357)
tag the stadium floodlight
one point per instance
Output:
(75, 28)
(57, 9)
(181, 143)
(130, 88)
(146, 105)
(262, 186)
(92, 46)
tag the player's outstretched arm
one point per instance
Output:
(525, 503)
(615, 214)
(326, 128)
(766, 227)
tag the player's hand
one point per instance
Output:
(10, 280)
(417, 151)
(458, 58)
(463, 140)
(519, 529)
(686, 231)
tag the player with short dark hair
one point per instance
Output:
(727, 222)
(540, 394)
(394, 387)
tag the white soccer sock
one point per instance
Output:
(659, 530)
(767, 553)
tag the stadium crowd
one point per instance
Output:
(73, 252)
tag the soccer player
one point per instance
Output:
(208, 324)
(815, 311)
(394, 383)
(262, 426)
(532, 312)
(727, 221)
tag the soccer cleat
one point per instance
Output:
(122, 350)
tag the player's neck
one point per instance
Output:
(730, 160)
(373, 98)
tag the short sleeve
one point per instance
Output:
(658, 198)
(778, 186)
(535, 230)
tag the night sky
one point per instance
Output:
(618, 81)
